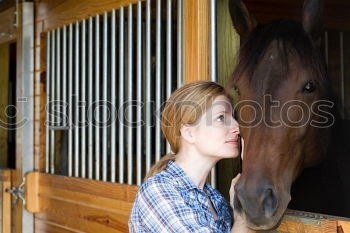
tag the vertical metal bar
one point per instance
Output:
(148, 86)
(212, 39)
(64, 76)
(58, 73)
(104, 98)
(70, 101)
(158, 80)
(83, 100)
(90, 102)
(129, 100)
(121, 96)
(212, 62)
(53, 94)
(139, 95)
(326, 46)
(179, 43)
(113, 100)
(48, 99)
(97, 97)
(76, 93)
(342, 88)
(168, 57)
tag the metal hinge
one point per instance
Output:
(18, 193)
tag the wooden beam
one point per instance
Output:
(5, 183)
(196, 40)
(8, 31)
(56, 13)
(336, 14)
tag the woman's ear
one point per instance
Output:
(187, 133)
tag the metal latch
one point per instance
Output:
(18, 193)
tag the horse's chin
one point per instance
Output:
(272, 223)
(267, 223)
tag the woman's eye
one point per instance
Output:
(221, 118)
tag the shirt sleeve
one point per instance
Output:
(161, 208)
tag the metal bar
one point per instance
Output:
(53, 94)
(48, 99)
(179, 43)
(104, 98)
(168, 57)
(129, 100)
(58, 73)
(70, 101)
(212, 62)
(64, 76)
(158, 80)
(121, 96)
(342, 88)
(148, 86)
(113, 100)
(97, 97)
(76, 93)
(83, 100)
(212, 39)
(90, 102)
(139, 95)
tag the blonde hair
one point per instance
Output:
(185, 106)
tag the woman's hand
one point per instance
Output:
(238, 223)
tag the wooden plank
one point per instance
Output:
(336, 11)
(79, 204)
(42, 226)
(97, 188)
(196, 40)
(343, 226)
(62, 12)
(5, 179)
(32, 192)
(8, 31)
(82, 217)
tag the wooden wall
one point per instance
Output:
(66, 204)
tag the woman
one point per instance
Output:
(198, 123)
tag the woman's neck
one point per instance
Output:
(195, 165)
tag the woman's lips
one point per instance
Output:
(233, 141)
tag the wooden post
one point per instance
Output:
(196, 40)
(5, 184)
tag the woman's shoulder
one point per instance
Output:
(158, 182)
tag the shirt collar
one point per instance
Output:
(180, 176)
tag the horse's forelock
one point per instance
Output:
(290, 38)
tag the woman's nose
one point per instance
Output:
(234, 126)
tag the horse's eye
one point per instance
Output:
(309, 87)
(236, 90)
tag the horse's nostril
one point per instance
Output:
(270, 203)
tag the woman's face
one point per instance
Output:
(216, 133)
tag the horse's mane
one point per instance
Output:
(290, 38)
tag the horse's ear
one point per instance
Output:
(313, 18)
(241, 18)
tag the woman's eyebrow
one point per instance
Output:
(220, 112)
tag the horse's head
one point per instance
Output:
(282, 84)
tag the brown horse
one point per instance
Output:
(284, 109)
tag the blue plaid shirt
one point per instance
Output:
(170, 202)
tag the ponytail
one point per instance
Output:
(160, 165)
